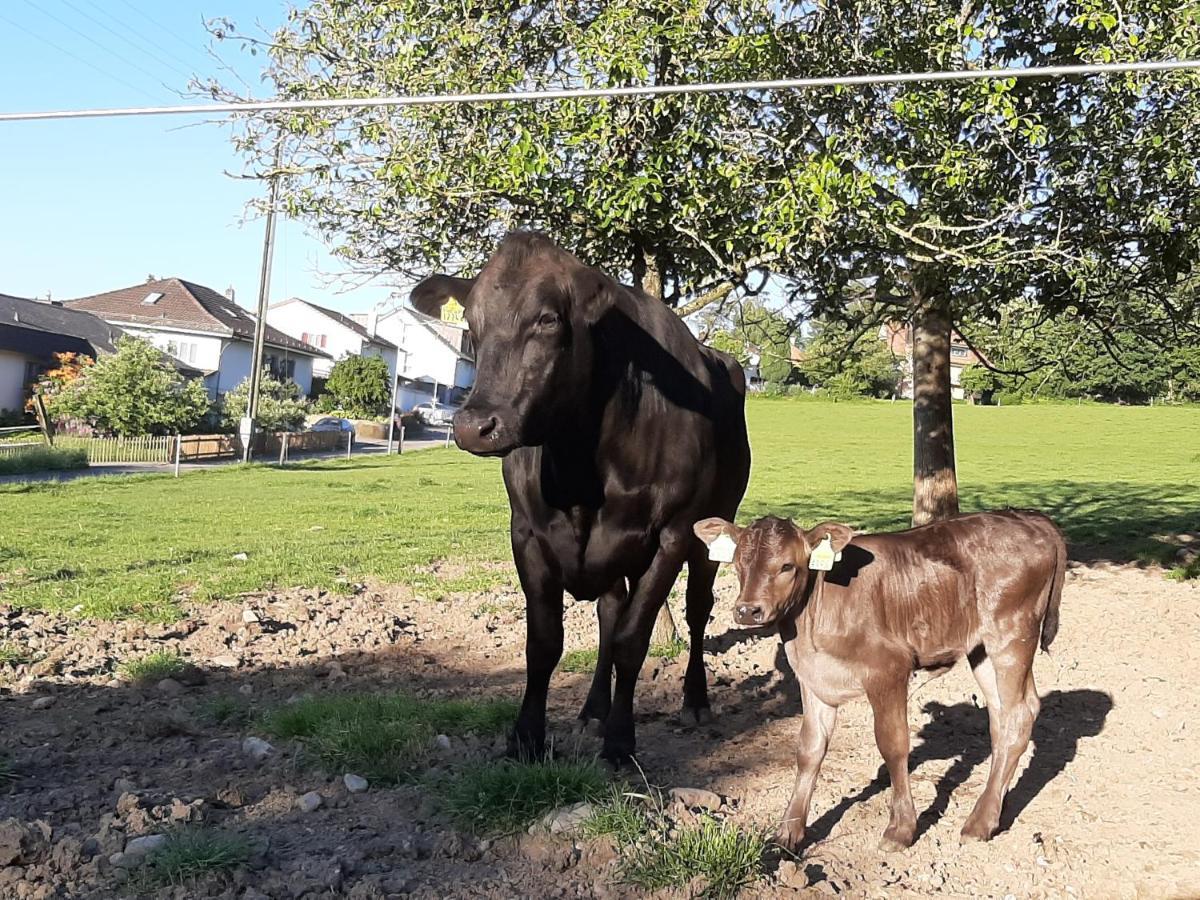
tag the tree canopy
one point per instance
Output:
(280, 405)
(357, 387)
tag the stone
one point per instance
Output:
(309, 802)
(138, 848)
(1185, 556)
(696, 798)
(43, 702)
(227, 661)
(170, 687)
(240, 557)
(18, 843)
(124, 786)
(250, 617)
(442, 742)
(355, 784)
(256, 748)
(128, 802)
(567, 818)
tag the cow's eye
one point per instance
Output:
(787, 567)
(548, 320)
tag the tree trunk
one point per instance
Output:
(935, 485)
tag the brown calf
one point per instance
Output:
(982, 586)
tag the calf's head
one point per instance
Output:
(530, 311)
(771, 557)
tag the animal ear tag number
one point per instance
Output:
(721, 549)
(823, 557)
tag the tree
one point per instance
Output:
(942, 202)
(134, 391)
(280, 406)
(358, 387)
(849, 362)
(751, 330)
(979, 381)
(666, 191)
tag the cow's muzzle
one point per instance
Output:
(483, 433)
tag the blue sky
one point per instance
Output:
(93, 205)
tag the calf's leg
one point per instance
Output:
(1005, 676)
(889, 705)
(815, 730)
(701, 575)
(543, 648)
(599, 699)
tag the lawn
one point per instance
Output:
(1113, 477)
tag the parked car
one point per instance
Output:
(434, 413)
(333, 423)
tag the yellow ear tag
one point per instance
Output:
(823, 557)
(721, 549)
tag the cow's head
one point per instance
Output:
(530, 312)
(771, 557)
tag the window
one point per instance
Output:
(152, 298)
(304, 337)
(958, 351)
(322, 344)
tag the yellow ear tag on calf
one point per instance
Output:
(721, 549)
(823, 557)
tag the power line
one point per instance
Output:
(79, 59)
(140, 49)
(648, 90)
(161, 27)
(87, 37)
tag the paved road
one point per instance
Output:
(424, 439)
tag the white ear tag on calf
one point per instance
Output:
(823, 557)
(721, 549)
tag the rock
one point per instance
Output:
(124, 786)
(696, 798)
(227, 661)
(138, 848)
(567, 818)
(192, 676)
(442, 742)
(250, 617)
(240, 557)
(1185, 556)
(792, 875)
(43, 702)
(309, 802)
(170, 687)
(256, 748)
(253, 893)
(128, 802)
(355, 784)
(19, 843)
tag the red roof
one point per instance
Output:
(185, 305)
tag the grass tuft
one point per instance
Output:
(12, 655)
(192, 852)
(40, 458)
(154, 667)
(1186, 573)
(225, 711)
(621, 816)
(579, 660)
(670, 649)
(387, 738)
(504, 797)
(713, 858)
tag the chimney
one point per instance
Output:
(229, 292)
(372, 320)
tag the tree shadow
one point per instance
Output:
(960, 733)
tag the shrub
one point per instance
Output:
(357, 388)
(39, 458)
(280, 406)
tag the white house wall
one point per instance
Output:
(298, 319)
(205, 356)
(426, 356)
(12, 379)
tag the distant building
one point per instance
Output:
(899, 338)
(437, 356)
(32, 331)
(333, 332)
(204, 330)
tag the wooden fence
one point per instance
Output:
(192, 447)
(150, 448)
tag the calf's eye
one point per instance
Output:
(787, 567)
(548, 320)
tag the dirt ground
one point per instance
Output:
(1107, 803)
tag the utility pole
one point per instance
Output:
(260, 325)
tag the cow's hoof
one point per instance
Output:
(617, 751)
(525, 749)
(696, 715)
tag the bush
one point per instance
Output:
(40, 458)
(357, 388)
(280, 406)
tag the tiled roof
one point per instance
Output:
(55, 319)
(186, 305)
(342, 319)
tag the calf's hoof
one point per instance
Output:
(696, 715)
(896, 839)
(790, 836)
(976, 831)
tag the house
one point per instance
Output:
(32, 331)
(331, 331)
(899, 338)
(437, 356)
(202, 329)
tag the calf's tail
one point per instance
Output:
(1050, 622)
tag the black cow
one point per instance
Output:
(619, 430)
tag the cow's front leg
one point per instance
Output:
(819, 720)
(543, 647)
(632, 639)
(609, 607)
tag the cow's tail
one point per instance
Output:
(1050, 622)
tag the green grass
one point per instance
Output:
(669, 650)
(1114, 477)
(722, 856)
(225, 711)
(40, 458)
(621, 816)
(1186, 573)
(12, 655)
(193, 852)
(153, 667)
(387, 739)
(579, 661)
(506, 796)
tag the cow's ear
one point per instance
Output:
(708, 530)
(839, 535)
(591, 293)
(431, 294)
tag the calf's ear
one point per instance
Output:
(839, 535)
(431, 294)
(591, 293)
(708, 530)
